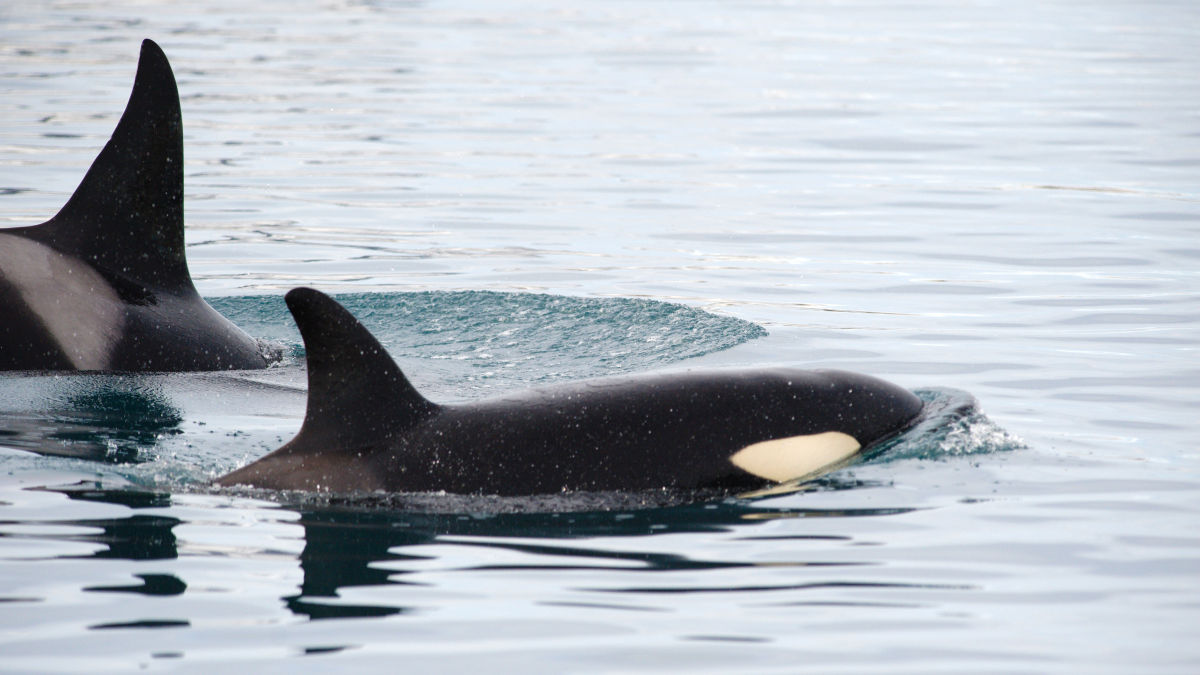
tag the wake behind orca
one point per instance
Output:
(367, 428)
(104, 284)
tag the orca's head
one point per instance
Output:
(846, 413)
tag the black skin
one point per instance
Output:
(367, 428)
(125, 221)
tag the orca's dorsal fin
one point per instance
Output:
(357, 395)
(126, 217)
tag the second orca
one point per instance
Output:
(104, 284)
(366, 428)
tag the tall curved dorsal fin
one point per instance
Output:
(357, 395)
(126, 217)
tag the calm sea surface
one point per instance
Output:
(988, 199)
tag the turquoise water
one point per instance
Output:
(988, 200)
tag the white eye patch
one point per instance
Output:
(794, 457)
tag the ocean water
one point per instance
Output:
(980, 201)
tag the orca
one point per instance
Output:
(366, 428)
(104, 284)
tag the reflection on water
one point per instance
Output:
(133, 538)
(112, 419)
(149, 623)
(338, 552)
(341, 545)
(152, 584)
(347, 548)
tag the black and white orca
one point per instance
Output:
(104, 284)
(366, 428)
